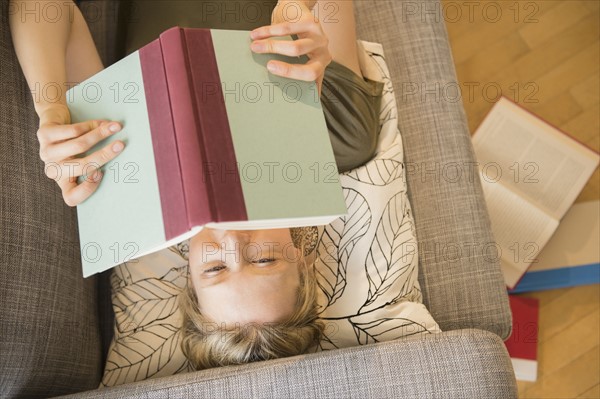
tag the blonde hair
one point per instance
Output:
(206, 344)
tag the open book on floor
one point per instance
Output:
(212, 139)
(571, 257)
(531, 173)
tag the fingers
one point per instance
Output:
(52, 132)
(72, 168)
(74, 194)
(81, 138)
(287, 47)
(312, 41)
(303, 25)
(310, 71)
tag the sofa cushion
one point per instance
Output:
(367, 267)
(49, 340)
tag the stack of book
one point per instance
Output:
(531, 173)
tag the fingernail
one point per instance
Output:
(272, 67)
(118, 146)
(114, 127)
(253, 34)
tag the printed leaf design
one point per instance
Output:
(337, 243)
(392, 253)
(182, 249)
(386, 329)
(148, 329)
(134, 354)
(150, 300)
(378, 172)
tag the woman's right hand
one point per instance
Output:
(61, 144)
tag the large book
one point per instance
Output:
(212, 139)
(523, 342)
(572, 255)
(531, 173)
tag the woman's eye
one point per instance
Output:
(264, 260)
(215, 269)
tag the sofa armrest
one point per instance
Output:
(465, 363)
(459, 273)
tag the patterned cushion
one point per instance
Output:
(367, 266)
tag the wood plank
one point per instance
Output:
(593, 5)
(558, 110)
(467, 44)
(523, 73)
(584, 126)
(572, 341)
(459, 20)
(587, 92)
(553, 22)
(577, 302)
(592, 393)
(591, 191)
(570, 72)
(569, 381)
(495, 57)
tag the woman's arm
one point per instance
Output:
(55, 54)
(57, 51)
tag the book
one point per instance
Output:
(522, 343)
(531, 173)
(572, 255)
(212, 139)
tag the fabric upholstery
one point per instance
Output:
(454, 364)
(40, 349)
(49, 337)
(459, 268)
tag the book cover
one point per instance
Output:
(572, 255)
(212, 138)
(522, 344)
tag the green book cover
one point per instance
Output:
(212, 138)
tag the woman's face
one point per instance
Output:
(243, 276)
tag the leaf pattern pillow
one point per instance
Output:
(366, 268)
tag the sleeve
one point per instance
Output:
(351, 106)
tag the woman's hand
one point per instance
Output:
(61, 142)
(294, 17)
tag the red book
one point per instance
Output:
(522, 344)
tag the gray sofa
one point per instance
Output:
(55, 325)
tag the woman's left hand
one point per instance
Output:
(288, 18)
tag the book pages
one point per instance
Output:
(532, 158)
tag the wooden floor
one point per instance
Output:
(543, 55)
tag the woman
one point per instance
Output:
(251, 294)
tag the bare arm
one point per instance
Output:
(55, 50)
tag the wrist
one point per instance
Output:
(53, 112)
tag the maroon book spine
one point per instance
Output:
(166, 157)
(220, 169)
(196, 189)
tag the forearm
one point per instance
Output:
(54, 48)
(41, 46)
(291, 8)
